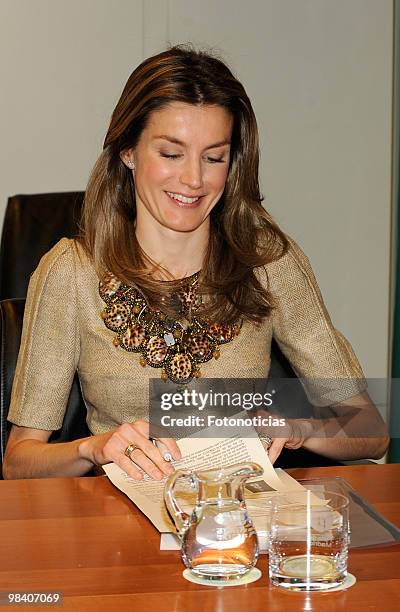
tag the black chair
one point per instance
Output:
(32, 225)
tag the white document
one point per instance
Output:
(202, 454)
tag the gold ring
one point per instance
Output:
(129, 449)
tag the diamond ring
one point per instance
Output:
(266, 439)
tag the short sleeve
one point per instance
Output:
(320, 355)
(49, 349)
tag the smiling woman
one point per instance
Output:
(181, 163)
(176, 189)
(191, 276)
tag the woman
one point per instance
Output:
(196, 278)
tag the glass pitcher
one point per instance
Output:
(218, 537)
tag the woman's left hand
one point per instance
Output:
(292, 435)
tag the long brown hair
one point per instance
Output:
(243, 235)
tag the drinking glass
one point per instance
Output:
(309, 539)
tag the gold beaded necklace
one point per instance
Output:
(178, 345)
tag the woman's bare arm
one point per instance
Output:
(29, 455)
(356, 432)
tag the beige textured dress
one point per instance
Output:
(63, 332)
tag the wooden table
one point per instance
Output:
(83, 537)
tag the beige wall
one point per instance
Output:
(319, 73)
(62, 66)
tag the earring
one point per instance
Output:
(131, 164)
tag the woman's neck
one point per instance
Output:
(180, 253)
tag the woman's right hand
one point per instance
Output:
(111, 446)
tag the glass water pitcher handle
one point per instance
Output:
(180, 518)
